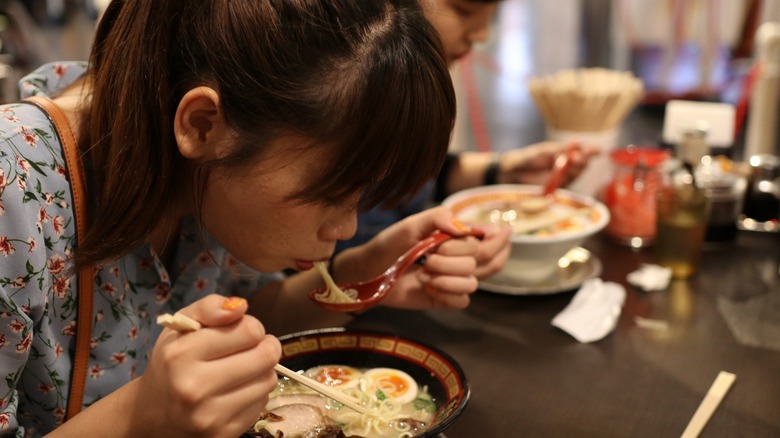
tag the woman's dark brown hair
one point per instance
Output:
(366, 78)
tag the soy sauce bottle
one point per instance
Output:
(724, 188)
(762, 198)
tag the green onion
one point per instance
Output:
(423, 404)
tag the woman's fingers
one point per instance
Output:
(247, 404)
(207, 361)
(453, 284)
(248, 365)
(446, 300)
(212, 381)
(426, 291)
(438, 264)
(226, 329)
(216, 342)
(216, 310)
(489, 253)
(225, 412)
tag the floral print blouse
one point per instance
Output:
(38, 298)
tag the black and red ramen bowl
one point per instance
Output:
(428, 366)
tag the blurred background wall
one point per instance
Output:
(696, 49)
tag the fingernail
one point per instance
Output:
(231, 303)
(461, 226)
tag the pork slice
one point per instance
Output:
(301, 421)
(294, 399)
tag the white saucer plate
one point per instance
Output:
(573, 269)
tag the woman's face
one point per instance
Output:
(246, 209)
(460, 23)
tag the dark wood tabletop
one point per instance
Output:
(529, 378)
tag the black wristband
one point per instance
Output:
(491, 173)
(440, 189)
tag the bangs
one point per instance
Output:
(373, 89)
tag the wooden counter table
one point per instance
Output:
(529, 378)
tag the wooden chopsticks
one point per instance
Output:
(178, 322)
(327, 391)
(183, 323)
(586, 99)
(707, 407)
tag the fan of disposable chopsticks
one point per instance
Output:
(587, 99)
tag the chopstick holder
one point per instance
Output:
(707, 407)
(183, 323)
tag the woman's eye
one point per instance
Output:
(348, 203)
(329, 202)
(463, 10)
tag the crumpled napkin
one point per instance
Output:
(650, 277)
(593, 312)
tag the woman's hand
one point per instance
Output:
(493, 249)
(448, 275)
(213, 381)
(532, 164)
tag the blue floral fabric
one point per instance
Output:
(38, 297)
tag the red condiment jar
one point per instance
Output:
(630, 194)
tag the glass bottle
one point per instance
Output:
(693, 144)
(725, 186)
(682, 213)
(630, 194)
(762, 200)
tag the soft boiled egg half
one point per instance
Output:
(336, 376)
(392, 382)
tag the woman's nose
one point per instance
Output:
(480, 33)
(342, 228)
(480, 29)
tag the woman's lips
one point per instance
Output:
(303, 265)
(458, 56)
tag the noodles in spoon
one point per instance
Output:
(333, 293)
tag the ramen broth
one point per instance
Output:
(407, 415)
(510, 213)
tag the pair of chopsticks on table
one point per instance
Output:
(183, 323)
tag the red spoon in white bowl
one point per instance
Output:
(370, 292)
(537, 204)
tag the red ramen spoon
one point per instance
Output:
(537, 204)
(370, 292)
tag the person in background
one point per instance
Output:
(461, 24)
(221, 141)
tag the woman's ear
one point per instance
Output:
(199, 126)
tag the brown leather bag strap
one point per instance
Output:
(86, 276)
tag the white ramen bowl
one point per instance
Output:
(534, 255)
